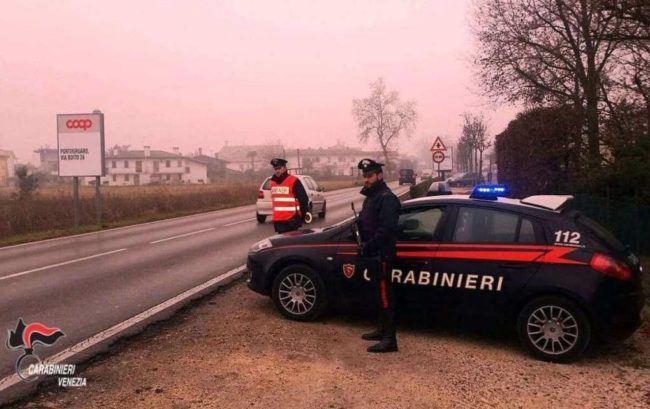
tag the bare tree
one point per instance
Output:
(384, 117)
(252, 155)
(474, 136)
(541, 51)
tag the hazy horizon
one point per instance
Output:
(170, 73)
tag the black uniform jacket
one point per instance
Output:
(378, 220)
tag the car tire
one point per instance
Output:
(553, 329)
(321, 215)
(299, 293)
(260, 218)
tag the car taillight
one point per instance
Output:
(260, 194)
(610, 267)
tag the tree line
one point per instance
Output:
(582, 70)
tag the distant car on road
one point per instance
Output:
(465, 179)
(317, 201)
(427, 173)
(406, 176)
(438, 189)
(555, 275)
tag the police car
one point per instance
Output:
(553, 273)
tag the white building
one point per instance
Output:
(337, 160)
(7, 165)
(140, 167)
(243, 158)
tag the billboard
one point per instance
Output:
(81, 144)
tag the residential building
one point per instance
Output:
(337, 160)
(246, 158)
(48, 160)
(139, 167)
(216, 167)
(7, 167)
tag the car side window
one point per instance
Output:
(418, 224)
(313, 184)
(526, 232)
(476, 225)
(308, 183)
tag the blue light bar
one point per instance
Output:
(489, 192)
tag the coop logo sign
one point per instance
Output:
(78, 123)
(81, 144)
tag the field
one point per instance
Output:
(49, 212)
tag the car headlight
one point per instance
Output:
(261, 245)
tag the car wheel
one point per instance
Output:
(260, 218)
(299, 293)
(553, 329)
(323, 211)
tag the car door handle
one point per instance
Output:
(513, 266)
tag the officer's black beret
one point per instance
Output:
(369, 166)
(275, 162)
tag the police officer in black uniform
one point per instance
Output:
(378, 229)
(280, 175)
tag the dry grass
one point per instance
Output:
(52, 208)
(330, 185)
(49, 212)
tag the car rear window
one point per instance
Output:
(599, 232)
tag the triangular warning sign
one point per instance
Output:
(438, 145)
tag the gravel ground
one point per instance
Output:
(233, 350)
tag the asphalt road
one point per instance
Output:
(88, 283)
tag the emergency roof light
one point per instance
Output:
(489, 192)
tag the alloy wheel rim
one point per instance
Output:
(297, 293)
(552, 330)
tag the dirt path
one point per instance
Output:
(233, 350)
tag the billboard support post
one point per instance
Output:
(98, 200)
(76, 201)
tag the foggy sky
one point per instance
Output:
(202, 72)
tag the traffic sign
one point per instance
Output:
(438, 157)
(438, 145)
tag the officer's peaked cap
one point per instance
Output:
(275, 162)
(368, 166)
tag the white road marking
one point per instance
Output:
(182, 235)
(61, 264)
(241, 221)
(67, 353)
(132, 226)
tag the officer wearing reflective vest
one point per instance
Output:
(378, 229)
(288, 197)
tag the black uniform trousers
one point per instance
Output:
(289, 225)
(379, 270)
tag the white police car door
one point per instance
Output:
(485, 258)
